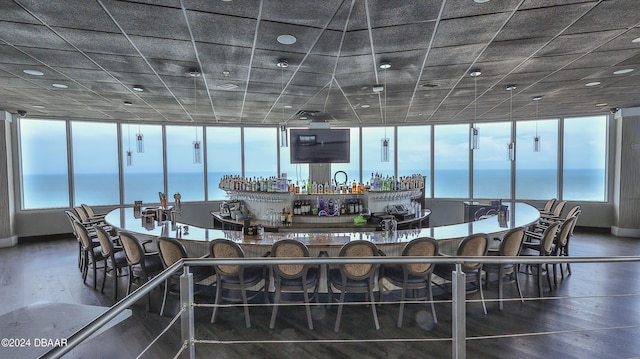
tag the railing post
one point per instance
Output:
(459, 313)
(186, 318)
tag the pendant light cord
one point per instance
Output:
(475, 100)
(195, 103)
(537, 116)
(384, 120)
(282, 91)
(511, 104)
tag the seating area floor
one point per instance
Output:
(593, 313)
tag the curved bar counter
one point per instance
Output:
(196, 238)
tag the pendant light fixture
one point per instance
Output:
(197, 151)
(139, 141)
(129, 154)
(474, 143)
(511, 147)
(536, 138)
(384, 142)
(139, 135)
(284, 140)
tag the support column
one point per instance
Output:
(459, 313)
(187, 316)
(8, 237)
(626, 197)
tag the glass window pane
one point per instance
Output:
(224, 157)
(43, 151)
(352, 169)
(372, 151)
(144, 178)
(491, 165)
(183, 175)
(584, 158)
(537, 172)
(414, 152)
(451, 161)
(260, 151)
(296, 172)
(95, 163)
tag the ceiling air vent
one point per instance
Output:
(306, 114)
(227, 86)
(430, 85)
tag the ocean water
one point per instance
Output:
(48, 191)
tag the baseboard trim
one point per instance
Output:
(625, 232)
(45, 238)
(602, 230)
(8, 242)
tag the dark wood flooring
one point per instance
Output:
(594, 313)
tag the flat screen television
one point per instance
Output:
(320, 145)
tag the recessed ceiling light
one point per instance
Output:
(137, 88)
(385, 65)
(365, 106)
(287, 39)
(128, 103)
(594, 83)
(287, 106)
(475, 73)
(637, 39)
(536, 98)
(623, 71)
(283, 64)
(481, 1)
(37, 106)
(602, 104)
(60, 86)
(510, 87)
(33, 72)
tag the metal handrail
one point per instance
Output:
(406, 260)
(95, 325)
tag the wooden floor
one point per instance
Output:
(587, 325)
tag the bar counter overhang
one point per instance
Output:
(196, 239)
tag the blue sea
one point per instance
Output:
(46, 191)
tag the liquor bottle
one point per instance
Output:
(297, 188)
(354, 187)
(331, 207)
(321, 204)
